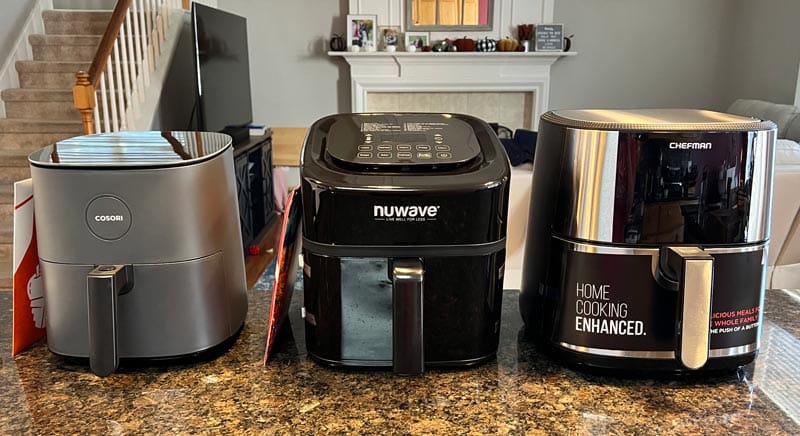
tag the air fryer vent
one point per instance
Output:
(663, 120)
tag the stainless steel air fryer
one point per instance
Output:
(647, 238)
(139, 243)
(404, 225)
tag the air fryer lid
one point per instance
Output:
(132, 150)
(673, 120)
(384, 141)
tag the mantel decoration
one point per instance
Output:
(391, 38)
(415, 41)
(361, 34)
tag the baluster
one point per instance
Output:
(104, 99)
(120, 94)
(141, 43)
(112, 99)
(127, 72)
(145, 47)
(154, 38)
(129, 59)
(96, 113)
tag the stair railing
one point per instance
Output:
(114, 85)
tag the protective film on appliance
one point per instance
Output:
(366, 309)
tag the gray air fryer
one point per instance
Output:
(139, 244)
(647, 239)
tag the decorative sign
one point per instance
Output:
(549, 37)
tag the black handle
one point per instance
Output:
(407, 346)
(104, 285)
(694, 269)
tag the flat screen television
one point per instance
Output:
(223, 71)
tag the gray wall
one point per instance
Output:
(11, 21)
(763, 51)
(640, 53)
(293, 80)
(678, 53)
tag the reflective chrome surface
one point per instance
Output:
(591, 166)
(722, 352)
(132, 149)
(695, 270)
(643, 188)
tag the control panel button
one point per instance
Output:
(423, 147)
(403, 147)
(364, 155)
(365, 148)
(442, 148)
(384, 155)
(404, 154)
(424, 155)
(444, 155)
(384, 147)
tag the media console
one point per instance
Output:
(253, 166)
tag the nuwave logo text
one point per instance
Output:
(690, 145)
(405, 211)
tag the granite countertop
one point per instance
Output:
(521, 392)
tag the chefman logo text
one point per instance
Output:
(690, 145)
(405, 213)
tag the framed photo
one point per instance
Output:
(362, 32)
(390, 37)
(417, 39)
(549, 37)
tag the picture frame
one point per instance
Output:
(390, 37)
(548, 37)
(362, 32)
(417, 39)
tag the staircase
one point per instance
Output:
(42, 111)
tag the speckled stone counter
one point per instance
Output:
(521, 392)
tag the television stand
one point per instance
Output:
(253, 167)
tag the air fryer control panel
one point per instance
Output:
(391, 140)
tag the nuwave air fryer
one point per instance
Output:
(647, 238)
(404, 224)
(139, 243)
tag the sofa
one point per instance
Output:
(784, 250)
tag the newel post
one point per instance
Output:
(83, 97)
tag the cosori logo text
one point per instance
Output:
(405, 213)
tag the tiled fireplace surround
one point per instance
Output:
(509, 88)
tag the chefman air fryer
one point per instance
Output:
(139, 244)
(404, 240)
(647, 239)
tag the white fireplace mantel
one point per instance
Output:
(451, 72)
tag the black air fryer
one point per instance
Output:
(404, 224)
(647, 239)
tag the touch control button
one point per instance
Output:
(403, 147)
(385, 147)
(404, 154)
(365, 155)
(108, 217)
(364, 148)
(384, 155)
(424, 155)
(444, 155)
(423, 147)
(442, 148)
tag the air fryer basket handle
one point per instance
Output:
(407, 346)
(695, 271)
(104, 284)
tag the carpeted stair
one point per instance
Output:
(41, 112)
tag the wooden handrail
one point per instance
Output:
(109, 38)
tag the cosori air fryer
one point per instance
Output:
(139, 243)
(404, 223)
(647, 238)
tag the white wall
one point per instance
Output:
(641, 53)
(293, 80)
(84, 4)
(12, 19)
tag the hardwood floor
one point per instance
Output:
(256, 264)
